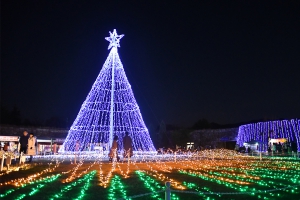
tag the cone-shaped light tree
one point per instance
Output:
(109, 109)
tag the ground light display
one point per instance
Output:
(208, 174)
(109, 109)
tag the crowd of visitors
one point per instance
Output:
(272, 148)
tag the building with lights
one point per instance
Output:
(270, 133)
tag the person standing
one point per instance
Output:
(77, 146)
(127, 144)
(31, 147)
(249, 150)
(24, 142)
(114, 148)
(54, 148)
(274, 148)
(279, 147)
(6, 145)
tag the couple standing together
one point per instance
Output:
(127, 145)
(27, 145)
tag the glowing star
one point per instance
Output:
(114, 39)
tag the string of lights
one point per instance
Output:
(75, 175)
(69, 186)
(150, 183)
(124, 174)
(109, 109)
(116, 186)
(21, 181)
(234, 173)
(104, 181)
(40, 185)
(86, 185)
(263, 131)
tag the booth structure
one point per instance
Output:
(189, 145)
(255, 146)
(12, 141)
(48, 146)
(44, 145)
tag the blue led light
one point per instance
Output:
(109, 109)
(263, 131)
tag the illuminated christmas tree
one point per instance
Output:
(109, 109)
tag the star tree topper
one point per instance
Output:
(114, 39)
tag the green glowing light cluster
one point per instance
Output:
(150, 183)
(200, 190)
(34, 190)
(86, 185)
(267, 179)
(116, 186)
(263, 192)
(70, 186)
(153, 185)
(275, 173)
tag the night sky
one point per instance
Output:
(226, 61)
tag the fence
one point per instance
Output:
(168, 191)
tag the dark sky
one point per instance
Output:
(226, 61)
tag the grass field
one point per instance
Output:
(218, 174)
